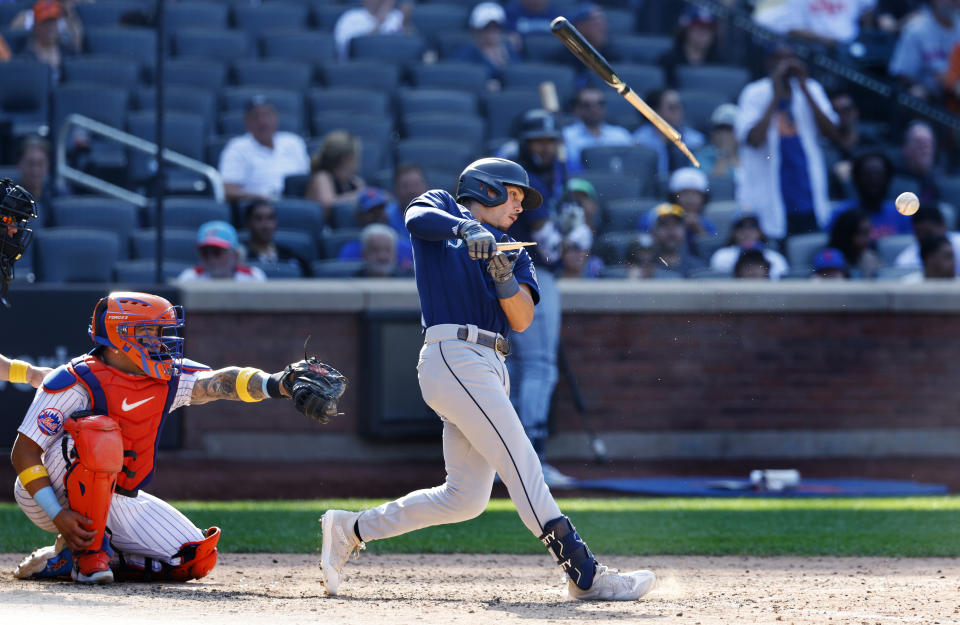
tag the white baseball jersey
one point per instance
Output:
(141, 525)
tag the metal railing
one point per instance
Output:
(65, 171)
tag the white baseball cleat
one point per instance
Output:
(339, 543)
(611, 585)
(54, 561)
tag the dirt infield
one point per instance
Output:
(488, 589)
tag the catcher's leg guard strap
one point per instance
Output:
(570, 552)
(98, 458)
(197, 558)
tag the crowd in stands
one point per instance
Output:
(325, 118)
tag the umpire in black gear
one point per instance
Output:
(17, 208)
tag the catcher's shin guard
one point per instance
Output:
(570, 552)
(97, 459)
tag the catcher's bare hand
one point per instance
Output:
(315, 388)
(74, 528)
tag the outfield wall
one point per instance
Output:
(668, 370)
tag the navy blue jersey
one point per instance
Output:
(453, 288)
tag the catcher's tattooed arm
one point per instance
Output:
(223, 384)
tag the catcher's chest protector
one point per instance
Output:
(139, 404)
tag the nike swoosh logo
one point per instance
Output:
(128, 407)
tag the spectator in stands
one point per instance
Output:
(45, 43)
(591, 21)
(581, 193)
(409, 182)
(939, 260)
(375, 17)
(641, 259)
(530, 16)
(333, 171)
(720, 157)
(591, 128)
(5, 52)
(921, 56)
(829, 264)
(918, 167)
(575, 254)
(667, 103)
(891, 16)
(490, 47)
(951, 81)
(688, 190)
(872, 175)
(814, 21)
(255, 164)
(851, 139)
(379, 253)
(372, 209)
(752, 265)
(33, 167)
(745, 233)
(780, 119)
(219, 252)
(670, 241)
(928, 222)
(260, 218)
(850, 233)
(694, 43)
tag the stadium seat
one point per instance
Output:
(105, 69)
(178, 244)
(75, 255)
(299, 214)
(721, 213)
(179, 16)
(27, 103)
(273, 74)
(189, 212)
(333, 240)
(889, 247)
(439, 18)
(449, 43)
(459, 76)
(698, 106)
(335, 268)
(642, 48)
(435, 153)
(180, 99)
(504, 107)
(182, 132)
(139, 44)
(369, 128)
(143, 270)
(620, 21)
(641, 77)
(637, 160)
(611, 247)
(705, 244)
(362, 74)
(303, 244)
(233, 123)
(721, 188)
(398, 49)
(465, 128)
(295, 186)
(726, 79)
(446, 101)
(105, 13)
(625, 214)
(225, 46)
(611, 186)
(344, 215)
(347, 100)
(286, 101)
(197, 73)
(306, 45)
(104, 104)
(279, 271)
(326, 14)
(544, 48)
(100, 213)
(273, 17)
(531, 74)
(800, 249)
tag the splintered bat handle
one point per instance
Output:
(662, 125)
(515, 245)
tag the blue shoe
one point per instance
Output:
(53, 562)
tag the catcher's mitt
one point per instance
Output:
(315, 388)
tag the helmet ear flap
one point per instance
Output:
(97, 323)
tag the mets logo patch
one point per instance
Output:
(50, 420)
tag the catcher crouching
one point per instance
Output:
(87, 445)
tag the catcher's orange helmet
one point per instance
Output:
(144, 328)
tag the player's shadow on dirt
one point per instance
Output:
(535, 610)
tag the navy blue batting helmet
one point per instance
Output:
(493, 174)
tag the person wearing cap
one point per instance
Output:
(581, 193)
(640, 260)
(720, 158)
(372, 209)
(694, 43)
(667, 104)
(260, 219)
(218, 249)
(575, 251)
(927, 222)
(814, 21)
(489, 47)
(55, 32)
(829, 264)
(591, 128)
(688, 189)
(780, 121)
(670, 242)
(745, 233)
(375, 17)
(255, 164)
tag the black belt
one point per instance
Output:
(487, 339)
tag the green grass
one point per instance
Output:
(910, 527)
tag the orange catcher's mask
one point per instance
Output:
(143, 327)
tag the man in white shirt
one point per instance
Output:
(255, 164)
(375, 17)
(828, 23)
(591, 130)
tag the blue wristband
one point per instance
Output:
(508, 288)
(47, 499)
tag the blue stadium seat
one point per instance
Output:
(273, 74)
(107, 13)
(726, 79)
(326, 14)
(24, 101)
(435, 153)
(620, 21)
(641, 77)
(429, 19)
(307, 45)
(295, 186)
(468, 129)
(279, 271)
(698, 106)
(260, 19)
(611, 247)
(347, 100)
(182, 132)
(299, 214)
(333, 240)
(544, 48)
(303, 244)
(637, 160)
(104, 104)
(104, 69)
(179, 244)
(531, 74)
(611, 186)
(399, 49)
(504, 107)
(286, 101)
(642, 48)
(75, 255)
(100, 213)
(445, 101)
(625, 214)
(373, 155)
(721, 187)
(450, 43)
(460, 76)
(801, 248)
(722, 213)
(143, 270)
(180, 99)
(334, 268)
(362, 74)
(889, 247)
(369, 128)
(189, 212)
(178, 16)
(344, 215)
(190, 72)
(225, 46)
(139, 44)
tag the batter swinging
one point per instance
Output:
(471, 296)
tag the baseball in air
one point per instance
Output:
(907, 203)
